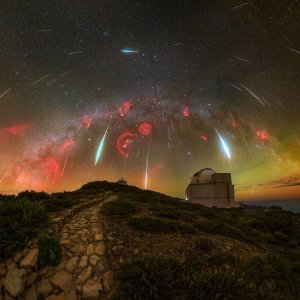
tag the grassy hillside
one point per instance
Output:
(164, 248)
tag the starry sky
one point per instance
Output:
(152, 91)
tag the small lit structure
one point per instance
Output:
(122, 181)
(211, 189)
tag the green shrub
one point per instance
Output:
(222, 258)
(20, 221)
(204, 245)
(49, 251)
(59, 201)
(153, 224)
(119, 207)
(149, 278)
(221, 283)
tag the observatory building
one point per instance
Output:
(211, 189)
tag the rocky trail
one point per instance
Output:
(83, 271)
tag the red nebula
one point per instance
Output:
(186, 111)
(262, 134)
(204, 138)
(18, 129)
(124, 108)
(156, 169)
(67, 145)
(87, 121)
(51, 167)
(234, 124)
(124, 143)
(35, 172)
(145, 128)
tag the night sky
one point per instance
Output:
(152, 91)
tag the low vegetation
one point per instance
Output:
(26, 216)
(20, 221)
(49, 251)
(167, 278)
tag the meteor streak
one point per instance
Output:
(40, 79)
(128, 51)
(5, 92)
(293, 50)
(244, 4)
(224, 145)
(101, 145)
(253, 94)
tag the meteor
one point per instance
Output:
(241, 5)
(224, 145)
(5, 92)
(101, 145)
(252, 94)
(128, 51)
(40, 79)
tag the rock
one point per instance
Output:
(18, 257)
(51, 271)
(98, 237)
(31, 278)
(25, 252)
(108, 280)
(100, 248)
(30, 259)
(94, 259)
(43, 271)
(65, 242)
(14, 281)
(62, 280)
(71, 264)
(70, 296)
(91, 291)
(44, 288)
(136, 251)
(30, 293)
(89, 249)
(83, 262)
(78, 248)
(86, 274)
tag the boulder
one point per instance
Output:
(44, 288)
(30, 259)
(62, 280)
(71, 264)
(30, 293)
(90, 291)
(100, 248)
(108, 280)
(31, 278)
(14, 281)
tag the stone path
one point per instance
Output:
(83, 272)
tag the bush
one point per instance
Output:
(204, 245)
(221, 283)
(153, 224)
(149, 278)
(20, 221)
(60, 201)
(119, 207)
(49, 251)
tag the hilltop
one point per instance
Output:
(117, 241)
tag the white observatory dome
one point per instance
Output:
(203, 176)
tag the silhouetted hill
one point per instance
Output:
(160, 247)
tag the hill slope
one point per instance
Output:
(155, 246)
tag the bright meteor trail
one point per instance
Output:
(224, 145)
(128, 51)
(101, 146)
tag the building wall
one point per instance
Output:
(218, 193)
